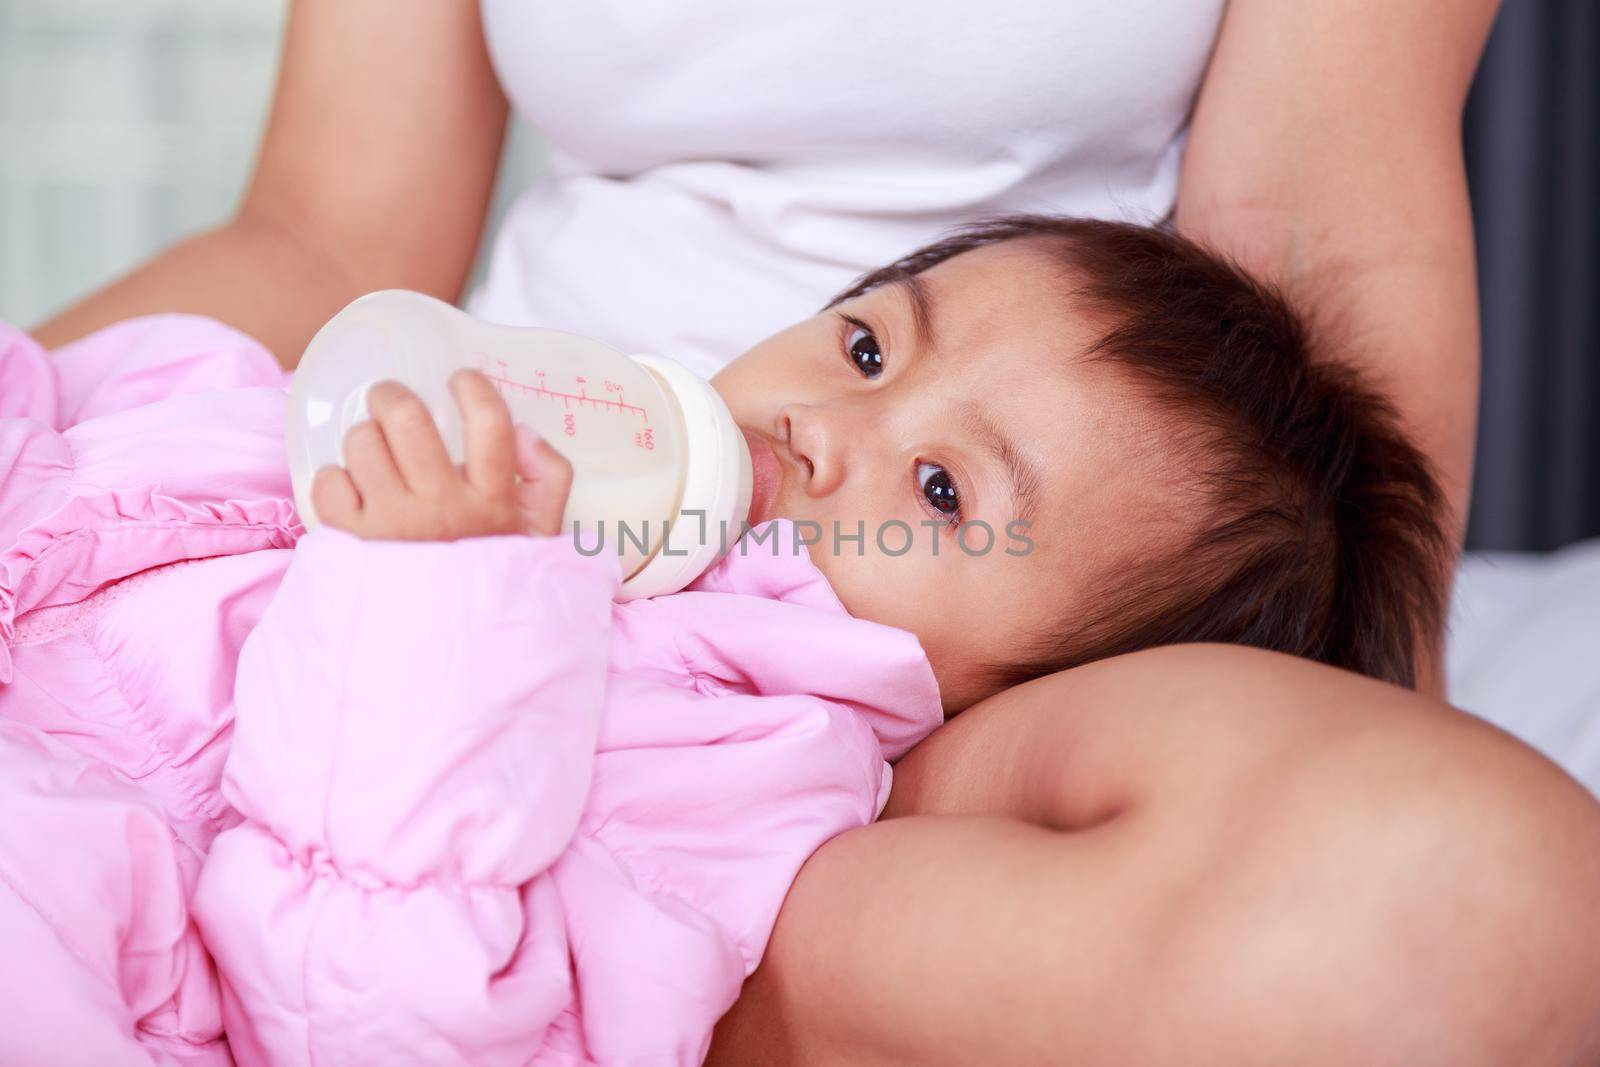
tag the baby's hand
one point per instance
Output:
(401, 486)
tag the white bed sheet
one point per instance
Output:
(1524, 650)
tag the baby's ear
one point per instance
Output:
(544, 478)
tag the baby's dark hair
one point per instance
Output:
(1320, 533)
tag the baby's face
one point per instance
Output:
(984, 416)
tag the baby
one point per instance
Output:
(414, 788)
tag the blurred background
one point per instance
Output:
(126, 125)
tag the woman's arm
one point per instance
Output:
(1325, 154)
(1197, 855)
(375, 172)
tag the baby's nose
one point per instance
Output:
(814, 444)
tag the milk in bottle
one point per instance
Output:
(661, 473)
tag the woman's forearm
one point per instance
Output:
(252, 273)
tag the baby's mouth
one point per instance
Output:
(766, 476)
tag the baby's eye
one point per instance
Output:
(864, 352)
(939, 490)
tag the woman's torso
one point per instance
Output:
(718, 169)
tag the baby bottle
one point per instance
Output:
(661, 473)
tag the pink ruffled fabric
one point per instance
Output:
(112, 450)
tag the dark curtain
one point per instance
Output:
(1532, 127)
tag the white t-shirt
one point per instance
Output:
(720, 168)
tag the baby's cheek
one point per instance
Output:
(900, 591)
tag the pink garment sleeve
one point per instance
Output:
(712, 807)
(153, 357)
(741, 738)
(415, 736)
(125, 365)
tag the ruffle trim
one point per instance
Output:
(102, 536)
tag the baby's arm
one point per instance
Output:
(413, 748)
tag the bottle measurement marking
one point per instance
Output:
(503, 380)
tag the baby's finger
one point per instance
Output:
(414, 441)
(367, 458)
(486, 428)
(546, 481)
(334, 498)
